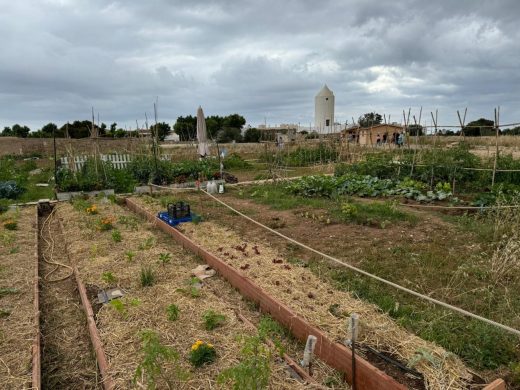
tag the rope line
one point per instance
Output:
(382, 280)
(50, 247)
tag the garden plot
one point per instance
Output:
(457, 259)
(17, 272)
(67, 358)
(319, 303)
(113, 248)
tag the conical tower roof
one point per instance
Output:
(325, 91)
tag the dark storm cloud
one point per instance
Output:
(262, 59)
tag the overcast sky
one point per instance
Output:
(261, 59)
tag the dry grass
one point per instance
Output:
(17, 331)
(310, 297)
(145, 308)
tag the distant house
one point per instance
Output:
(368, 135)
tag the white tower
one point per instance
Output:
(324, 111)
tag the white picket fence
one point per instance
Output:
(118, 161)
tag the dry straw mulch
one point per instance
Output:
(312, 298)
(17, 330)
(145, 307)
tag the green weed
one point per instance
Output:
(116, 235)
(130, 256)
(109, 278)
(172, 312)
(165, 258)
(147, 277)
(156, 357)
(254, 369)
(213, 320)
(148, 243)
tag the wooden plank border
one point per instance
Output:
(334, 354)
(36, 347)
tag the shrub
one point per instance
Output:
(202, 353)
(172, 312)
(147, 277)
(213, 319)
(235, 161)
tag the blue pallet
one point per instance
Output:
(163, 216)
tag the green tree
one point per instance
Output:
(163, 129)
(252, 135)
(186, 127)
(7, 132)
(78, 129)
(414, 130)
(479, 127)
(370, 119)
(20, 131)
(229, 134)
(48, 130)
(235, 121)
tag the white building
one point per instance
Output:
(324, 111)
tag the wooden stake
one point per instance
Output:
(497, 119)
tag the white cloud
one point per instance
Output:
(259, 59)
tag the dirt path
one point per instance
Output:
(67, 358)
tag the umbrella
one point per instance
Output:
(202, 135)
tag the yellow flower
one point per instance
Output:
(209, 345)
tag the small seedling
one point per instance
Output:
(116, 235)
(130, 256)
(147, 244)
(193, 289)
(172, 312)
(135, 302)
(4, 313)
(119, 306)
(213, 319)
(14, 249)
(108, 277)
(7, 291)
(165, 258)
(147, 277)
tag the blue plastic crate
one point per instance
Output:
(163, 216)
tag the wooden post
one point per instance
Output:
(434, 142)
(497, 119)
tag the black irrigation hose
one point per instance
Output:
(393, 362)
